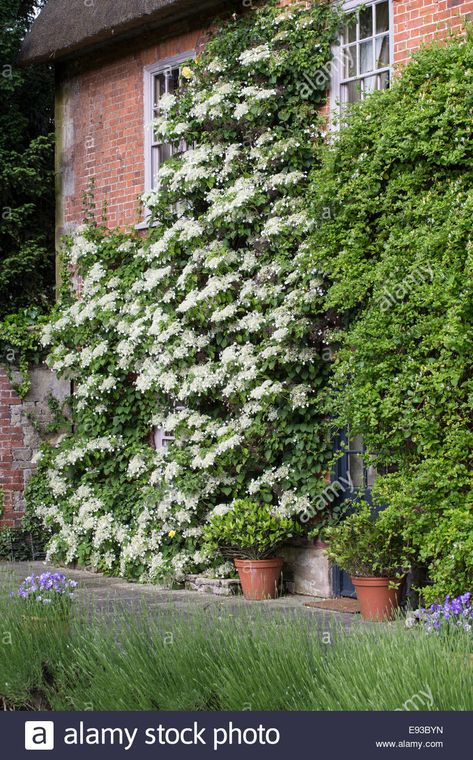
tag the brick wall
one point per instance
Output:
(419, 21)
(12, 443)
(20, 438)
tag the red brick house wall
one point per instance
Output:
(101, 109)
(419, 21)
(11, 442)
(101, 113)
(21, 423)
(100, 128)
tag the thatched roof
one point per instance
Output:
(66, 27)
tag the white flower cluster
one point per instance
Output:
(256, 54)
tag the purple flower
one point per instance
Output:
(453, 612)
(48, 588)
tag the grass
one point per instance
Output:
(138, 662)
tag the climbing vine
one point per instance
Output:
(205, 328)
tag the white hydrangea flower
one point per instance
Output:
(137, 466)
(216, 66)
(241, 110)
(254, 55)
(167, 101)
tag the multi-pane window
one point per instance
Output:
(164, 83)
(162, 79)
(365, 52)
(162, 437)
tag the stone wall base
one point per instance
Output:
(309, 569)
(22, 426)
(217, 586)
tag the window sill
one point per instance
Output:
(146, 224)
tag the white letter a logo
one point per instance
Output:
(39, 735)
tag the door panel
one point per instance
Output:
(351, 469)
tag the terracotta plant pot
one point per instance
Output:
(377, 600)
(259, 577)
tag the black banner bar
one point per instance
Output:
(170, 736)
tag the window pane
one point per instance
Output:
(167, 81)
(159, 89)
(349, 32)
(165, 152)
(366, 22)
(160, 154)
(366, 57)
(349, 59)
(382, 52)
(178, 148)
(383, 80)
(352, 92)
(382, 17)
(176, 76)
(167, 74)
(371, 476)
(172, 79)
(155, 165)
(356, 444)
(370, 84)
(356, 470)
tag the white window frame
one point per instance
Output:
(161, 438)
(337, 75)
(150, 72)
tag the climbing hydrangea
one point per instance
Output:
(203, 330)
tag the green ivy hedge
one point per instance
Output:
(398, 266)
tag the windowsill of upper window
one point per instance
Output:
(145, 224)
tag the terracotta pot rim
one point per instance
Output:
(373, 580)
(259, 562)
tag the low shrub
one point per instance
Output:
(248, 530)
(369, 544)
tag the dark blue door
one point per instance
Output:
(356, 477)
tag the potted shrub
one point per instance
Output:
(371, 548)
(251, 534)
